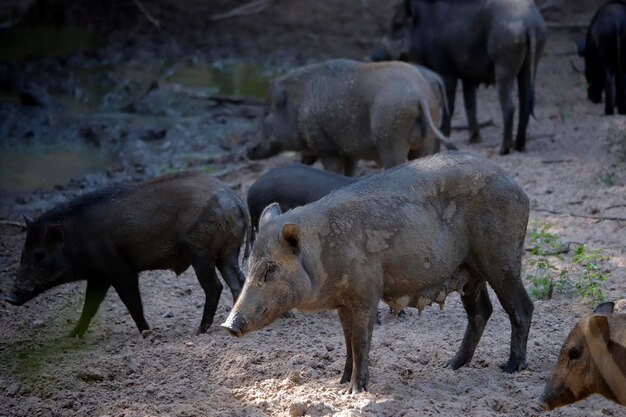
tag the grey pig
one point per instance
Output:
(341, 111)
(409, 236)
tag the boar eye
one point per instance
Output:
(39, 256)
(271, 267)
(573, 353)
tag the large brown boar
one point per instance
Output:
(341, 111)
(107, 237)
(409, 236)
(592, 361)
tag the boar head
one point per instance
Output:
(576, 375)
(276, 280)
(43, 264)
(278, 128)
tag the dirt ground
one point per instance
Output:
(574, 171)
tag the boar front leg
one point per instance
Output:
(96, 291)
(469, 99)
(128, 290)
(229, 268)
(205, 272)
(357, 324)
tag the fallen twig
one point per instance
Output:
(14, 224)
(130, 106)
(178, 89)
(480, 125)
(564, 248)
(614, 206)
(584, 216)
(252, 7)
(542, 136)
(146, 13)
(556, 161)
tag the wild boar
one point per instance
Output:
(604, 51)
(408, 236)
(291, 186)
(478, 42)
(107, 237)
(342, 111)
(592, 361)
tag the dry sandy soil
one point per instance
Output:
(574, 164)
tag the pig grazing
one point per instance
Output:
(605, 56)
(592, 361)
(292, 186)
(409, 236)
(107, 237)
(341, 111)
(478, 42)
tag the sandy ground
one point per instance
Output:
(574, 164)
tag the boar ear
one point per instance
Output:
(598, 327)
(269, 213)
(580, 46)
(27, 220)
(290, 233)
(54, 235)
(605, 308)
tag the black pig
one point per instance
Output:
(107, 237)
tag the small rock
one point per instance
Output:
(168, 315)
(297, 409)
(13, 389)
(330, 348)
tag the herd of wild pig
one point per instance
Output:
(435, 221)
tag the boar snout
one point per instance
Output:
(234, 324)
(553, 398)
(15, 299)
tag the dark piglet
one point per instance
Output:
(592, 361)
(292, 186)
(604, 51)
(408, 236)
(107, 237)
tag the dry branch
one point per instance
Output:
(14, 224)
(556, 161)
(252, 7)
(146, 13)
(567, 25)
(583, 216)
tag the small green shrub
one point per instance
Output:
(548, 270)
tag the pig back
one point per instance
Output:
(420, 219)
(154, 224)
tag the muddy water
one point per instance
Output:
(29, 168)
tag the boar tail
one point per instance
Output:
(532, 60)
(427, 122)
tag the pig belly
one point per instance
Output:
(436, 292)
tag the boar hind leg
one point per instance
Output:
(205, 272)
(526, 99)
(229, 268)
(478, 308)
(128, 290)
(469, 98)
(446, 122)
(620, 92)
(609, 93)
(96, 291)
(515, 301)
(357, 324)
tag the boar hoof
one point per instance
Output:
(146, 333)
(402, 313)
(289, 315)
(504, 151)
(475, 138)
(454, 364)
(514, 365)
(356, 389)
(77, 332)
